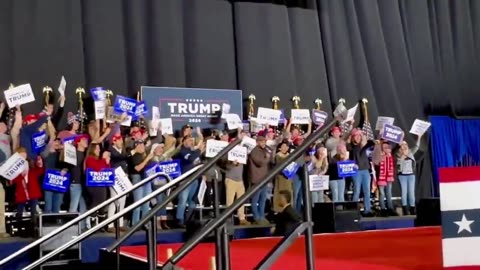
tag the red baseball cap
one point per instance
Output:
(335, 129)
(80, 137)
(31, 117)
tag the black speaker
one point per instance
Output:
(199, 219)
(336, 217)
(428, 212)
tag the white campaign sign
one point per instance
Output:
(318, 182)
(155, 113)
(166, 125)
(225, 110)
(249, 143)
(153, 127)
(351, 114)
(127, 122)
(122, 183)
(268, 116)
(300, 116)
(382, 121)
(13, 167)
(233, 121)
(62, 86)
(419, 127)
(238, 154)
(214, 147)
(201, 192)
(99, 109)
(19, 95)
(69, 154)
(255, 126)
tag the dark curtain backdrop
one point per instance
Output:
(410, 59)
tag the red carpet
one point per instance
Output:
(416, 248)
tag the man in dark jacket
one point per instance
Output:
(258, 165)
(189, 157)
(288, 219)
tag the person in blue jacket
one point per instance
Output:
(32, 125)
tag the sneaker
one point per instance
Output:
(244, 222)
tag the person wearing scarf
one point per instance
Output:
(386, 176)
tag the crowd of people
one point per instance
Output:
(379, 163)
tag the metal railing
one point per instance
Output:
(220, 219)
(115, 217)
(79, 218)
(151, 257)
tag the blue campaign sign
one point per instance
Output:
(103, 178)
(392, 133)
(283, 119)
(125, 104)
(150, 169)
(99, 93)
(172, 168)
(39, 141)
(141, 108)
(55, 181)
(69, 139)
(291, 170)
(347, 168)
(319, 117)
(193, 106)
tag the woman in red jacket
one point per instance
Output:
(27, 187)
(97, 194)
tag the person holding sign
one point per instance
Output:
(73, 126)
(138, 162)
(406, 166)
(383, 158)
(32, 124)
(358, 147)
(320, 166)
(53, 199)
(94, 163)
(27, 187)
(281, 180)
(337, 183)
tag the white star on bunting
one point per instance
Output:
(464, 224)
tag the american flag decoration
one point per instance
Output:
(366, 127)
(460, 207)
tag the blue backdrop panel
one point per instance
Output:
(194, 106)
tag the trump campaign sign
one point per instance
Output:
(460, 206)
(193, 106)
(103, 178)
(347, 168)
(55, 181)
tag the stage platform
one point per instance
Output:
(395, 249)
(91, 246)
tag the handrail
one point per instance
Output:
(173, 194)
(80, 218)
(118, 215)
(218, 221)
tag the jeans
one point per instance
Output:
(388, 190)
(407, 184)
(33, 210)
(258, 204)
(160, 199)
(297, 193)
(53, 201)
(77, 203)
(361, 182)
(138, 194)
(186, 196)
(317, 197)
(337, 188)
(112, 208)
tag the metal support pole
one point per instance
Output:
(218, 232)
(152, 244)
(225, 248)
(307, 214)
(117, 235)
